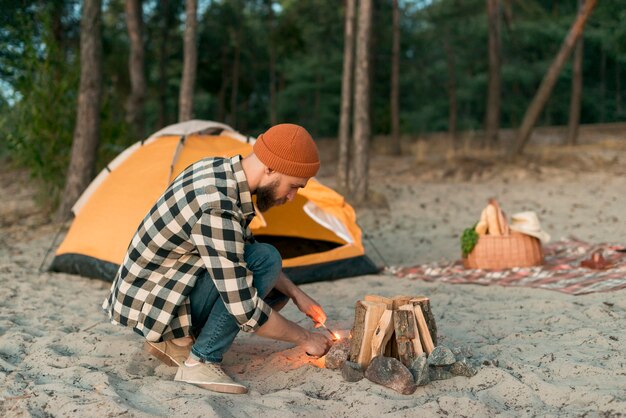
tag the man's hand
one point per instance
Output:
(281, 329)
(316, 345)
(310, 308)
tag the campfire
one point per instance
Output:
(402, 327)
(393, 342)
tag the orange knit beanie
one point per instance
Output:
(288, 149)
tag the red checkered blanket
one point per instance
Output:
(562, 270)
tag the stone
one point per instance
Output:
(439, 373)
(391, 373)
(338, 354)
(441, 356)
(462, 368)
(419, 370)
(351, 372)
(462, 352)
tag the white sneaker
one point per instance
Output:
(209, 376)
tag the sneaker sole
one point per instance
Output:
(221, 388)
(160, 355)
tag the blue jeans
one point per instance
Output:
(215, 328)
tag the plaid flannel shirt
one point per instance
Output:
(199, 223)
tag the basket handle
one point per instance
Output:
(502, 221)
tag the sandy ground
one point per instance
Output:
(541, 353)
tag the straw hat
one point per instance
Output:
(528, 223)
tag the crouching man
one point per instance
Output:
(193, 276)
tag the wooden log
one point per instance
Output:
(366, 318)
(424, 304)
(357, 330)
(423, 330)
(382, 333)
(392, 346)
(401, 300)
(417, 344)
(404, 325)
(379, 299)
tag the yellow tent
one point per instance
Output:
(316, 233)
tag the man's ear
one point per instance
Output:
(269, 171)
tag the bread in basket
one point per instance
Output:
(498, 247)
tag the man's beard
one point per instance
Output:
(265, 198)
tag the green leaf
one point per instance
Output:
(469, 240)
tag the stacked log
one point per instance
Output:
(402, 327)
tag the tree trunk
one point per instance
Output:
(86, 131)
(163, 57)
(492, 119)
(451, 86)
(235, 76)
(395, 75)
(545, 89)
(346, 96)
(135, 102)
(272, 63)
(185, 100)
(577, 87)
(359, 182)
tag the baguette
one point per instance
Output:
(493, 223)
(481, 226)
(502, 222)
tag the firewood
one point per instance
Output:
(423, 329)
(424, 303)
(366, 319)
(401, 300)
(382, 333)
(379, 299)
(404, 325)
(401, 327)
(357, 330)
(417, 344)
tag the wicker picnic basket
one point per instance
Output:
(506, 251)
(512, 249)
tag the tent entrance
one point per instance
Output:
(291, 247)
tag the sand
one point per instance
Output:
(540, 353)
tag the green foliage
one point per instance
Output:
(469, 238)
(37, 128)
(39, 68)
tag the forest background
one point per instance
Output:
(261, 62)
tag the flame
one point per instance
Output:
(337, 336)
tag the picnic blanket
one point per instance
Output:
(561, 271)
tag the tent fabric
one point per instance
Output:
(317, 232)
